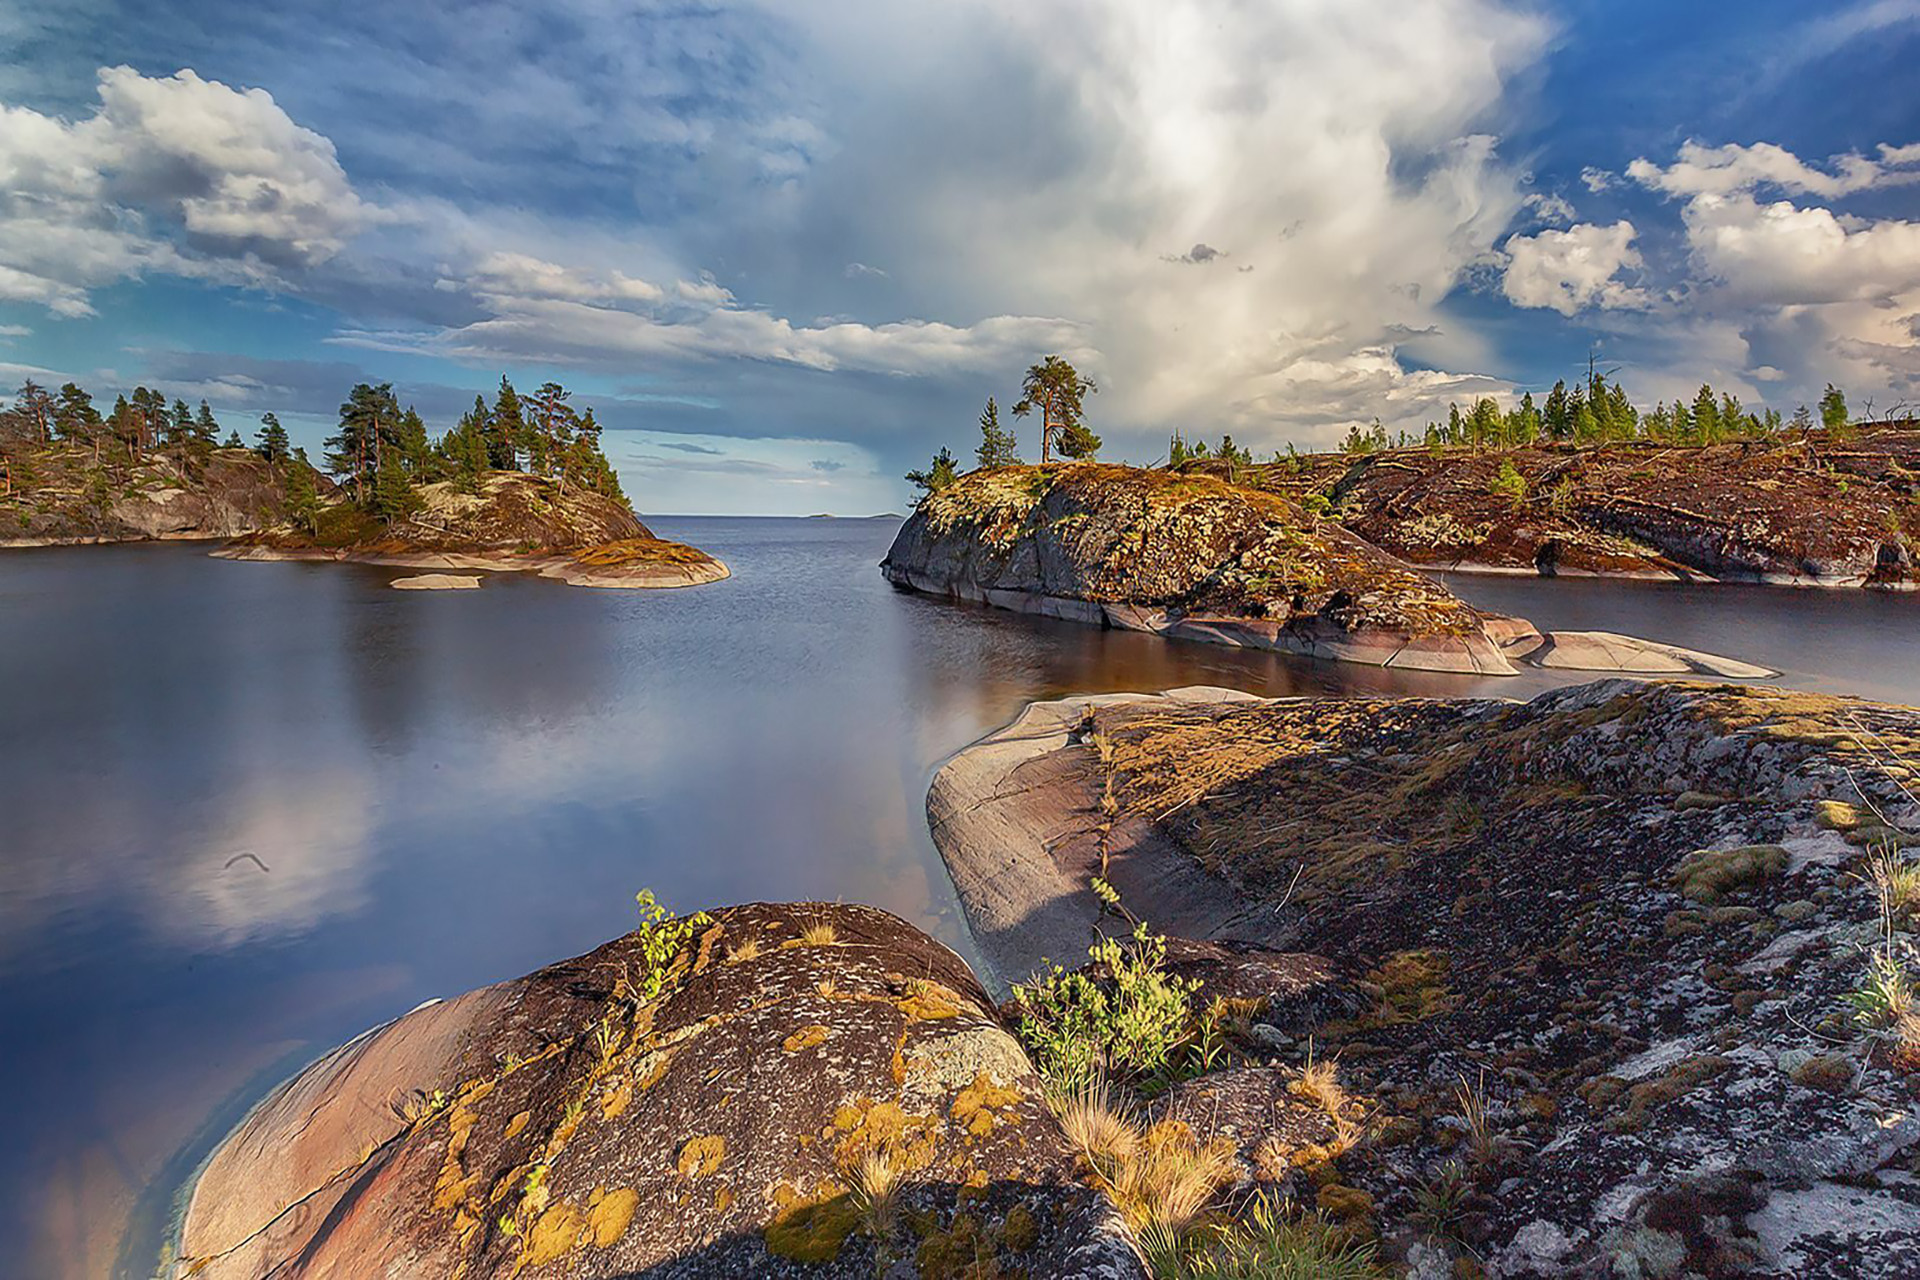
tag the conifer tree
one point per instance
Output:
(272, 437)
(939, 475)
(1056, 389)
(998, 446)
(1833, 413)
(205, 428)
(1706, 416)
(508, 428)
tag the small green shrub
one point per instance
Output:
(1885, 993)
(661, 935)
(1509, 484)
(1125, 1025)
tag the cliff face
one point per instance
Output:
(1798, 511)
(59, 495)
(581, 1122)
(1183, 555)
(1607, 957)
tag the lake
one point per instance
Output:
(249, 810)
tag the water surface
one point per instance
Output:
(248, 810)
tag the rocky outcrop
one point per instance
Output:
(1805, 511)
(1185, 556)
(61, 496)
(792, 1090)
(1608, 947)
(1191, 557)
(514, 523)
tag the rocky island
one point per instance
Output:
(1817, 508)
(505, 521)
(1190, 556)
(1614, 982)
(520, 485)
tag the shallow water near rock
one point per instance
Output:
(249, 810)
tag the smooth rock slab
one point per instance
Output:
(437, 582)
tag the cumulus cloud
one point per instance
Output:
(1719, 171)
(1785, 255)
(175, 175)
(1579, 267)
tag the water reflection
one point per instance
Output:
(446, 789)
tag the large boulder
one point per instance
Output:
(566, 1124)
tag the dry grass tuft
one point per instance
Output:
(1319, 1083)
(1171, 1177)
(819, 934)
(875, 1185)
(1101, 1129)
(743, 951)
(1472, 1101)
(1895, 880)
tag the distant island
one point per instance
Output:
(520, 485)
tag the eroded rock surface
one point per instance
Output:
(1602, 942)
(563, 1125)
(1804, 511)
(1187, 556)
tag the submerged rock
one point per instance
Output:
(571, 1124)
(1604, 945)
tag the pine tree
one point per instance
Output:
(939, 475)
(998, 446)
(550, 422)
(205, 428)
(1833, 414)
(272, 438)
(1706, 416)
(366, 443)
(303, 496)
(1557, 417)
(1076, 441)
(1056, 388)
(233, 440)
(508, 428)
(466, 447)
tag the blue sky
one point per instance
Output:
(787, 250)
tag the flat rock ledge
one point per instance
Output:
(1595, 952)
(437, 582)
(564, 568)
(573, 1123)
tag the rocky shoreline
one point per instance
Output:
(1191, 557)
(672, 569)
(1628, 917)
(1808, 510)
(1584, 965)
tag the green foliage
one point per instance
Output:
(1056, 389)
(1885, 991)
(1076, 441)
(940, 474)
(998, 446)
(1266, 1244)
(1125, 1024)
(1833, 413)
(1509, 484)
(303, 496)
(272, 440)
(661, 936)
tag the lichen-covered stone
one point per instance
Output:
(1187, 556)
(727, 1152)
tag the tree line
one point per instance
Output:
(380, 452)
(1596, 410)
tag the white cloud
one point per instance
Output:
(1706, 171)
(1573, 269)
(1784, 255)
(177, 175)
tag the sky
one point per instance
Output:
(787, 250)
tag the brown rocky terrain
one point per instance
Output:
(1801, 510)
(515, 523)
(59, 495)
(1189, 556)
(1603, 966)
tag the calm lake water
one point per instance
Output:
(249, 810)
